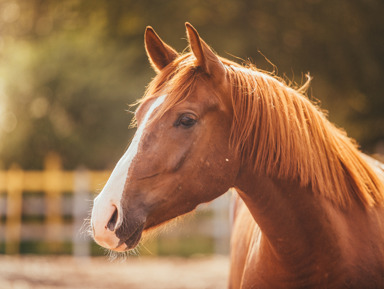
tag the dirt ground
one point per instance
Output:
(33, 272)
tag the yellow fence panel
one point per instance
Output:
(53, 182)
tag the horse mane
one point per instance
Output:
(278, 131)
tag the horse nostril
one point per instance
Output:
(112, 222)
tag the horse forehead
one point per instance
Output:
(143, 108)
(211, 94)
(202, 95)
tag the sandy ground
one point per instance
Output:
(143, 272)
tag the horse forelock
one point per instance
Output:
(279, 132)
(176, 80)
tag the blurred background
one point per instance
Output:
(69, 70)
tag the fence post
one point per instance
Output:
(220, 227)
(52, 178)
(14, 209)
(2, 200)
(81, 206)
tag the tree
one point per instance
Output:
(68, 69)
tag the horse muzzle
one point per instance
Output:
(105, 220)
(111, 230)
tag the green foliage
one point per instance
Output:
(68, 69)
(68, 93)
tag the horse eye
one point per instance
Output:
(186, 120)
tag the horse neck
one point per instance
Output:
(290, 217)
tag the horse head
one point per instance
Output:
(180, 155)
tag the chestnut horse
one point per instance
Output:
(310, 211)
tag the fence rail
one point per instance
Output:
(55, 184)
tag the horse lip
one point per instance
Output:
(132, 241)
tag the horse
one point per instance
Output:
(309, 211)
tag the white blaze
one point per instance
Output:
(110, 197)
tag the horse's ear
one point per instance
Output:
(205, 58)
(159, 53)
